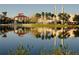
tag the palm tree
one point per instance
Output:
(42, 13)
(38, 15)
(64, 17)
(76, 18)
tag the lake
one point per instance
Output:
(19, 40)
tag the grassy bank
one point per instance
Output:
(41, 25)
(47, 25)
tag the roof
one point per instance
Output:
(20, 15)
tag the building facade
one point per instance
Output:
(21, 18)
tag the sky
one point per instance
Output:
(30, 9)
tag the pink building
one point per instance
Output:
(21, 17)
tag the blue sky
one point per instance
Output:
(29, 9)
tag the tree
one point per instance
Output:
(76, 18)
(4, 13)
(38, 15)
(52, 15)
(49, 14)
(64, 17)
(42, 13)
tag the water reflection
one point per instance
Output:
(39, 40)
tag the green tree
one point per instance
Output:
(52, 15)
(42, 13)
(38, 15)
(76, 18)
(64, 17)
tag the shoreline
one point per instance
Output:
(40, 25)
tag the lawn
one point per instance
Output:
(47, 25)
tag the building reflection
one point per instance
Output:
(21, 31)
(42, 32)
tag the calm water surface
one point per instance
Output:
(38, 40)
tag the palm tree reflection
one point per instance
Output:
(20, 50)
(4, 35)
